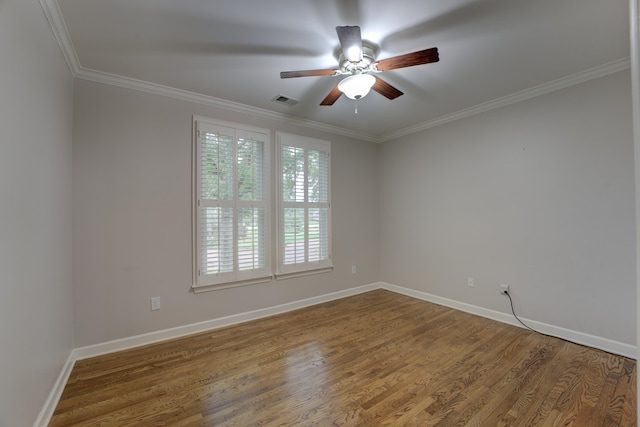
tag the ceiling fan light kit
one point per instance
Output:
(358, 86)
(357, 61)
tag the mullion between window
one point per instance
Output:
(306, 208)
(236, 210)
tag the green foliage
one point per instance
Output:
(250, 159)
(217, 167)
(292, 174)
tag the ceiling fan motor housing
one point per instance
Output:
(357, 62)
(362, 66)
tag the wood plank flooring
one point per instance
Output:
(375, 359)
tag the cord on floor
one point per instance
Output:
(517, 318)
(533, 330)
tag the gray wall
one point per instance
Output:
(36, 325)
(132, 216)
(538, 195)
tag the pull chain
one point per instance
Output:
(356, 106)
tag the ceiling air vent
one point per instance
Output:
(282, 99)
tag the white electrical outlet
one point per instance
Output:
(504, 289)
(354, 269)
(155, 303)
(470, 282)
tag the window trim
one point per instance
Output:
(308, 267)
(237, 277)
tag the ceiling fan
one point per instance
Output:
(357, 61)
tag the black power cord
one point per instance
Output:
(533, 330)
(505, 292)
(518, 319)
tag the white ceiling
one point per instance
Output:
(234, 50)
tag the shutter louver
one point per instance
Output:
(250, 170)
(318, 176)
(216, 162)
(251, 213)
(294, 236)
(251, 246)
(293, 164)
(304, 212)
(232, 239)
(318, 182)
(216, 166)
(217, 240)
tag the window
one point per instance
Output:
(304, 204)
(231, 173)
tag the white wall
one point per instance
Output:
(132, 216)
(36, 325)
(538, 195)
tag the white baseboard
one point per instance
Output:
(79, 353)
(126, 343)
(54, 396)
(194, 328)
(605, 344)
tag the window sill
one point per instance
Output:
(294, 274)
(197, 289)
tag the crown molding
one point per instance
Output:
(129, 83)
(61, 33)
(574, 79)
(53, 13)
(158, 89)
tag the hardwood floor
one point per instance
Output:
(374, 359)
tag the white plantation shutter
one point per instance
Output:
(251, 252)
(217, 240)
(304, 216)
(216, 203)
(293, 236)
(232, 204)
(252, 204)
(318, 196)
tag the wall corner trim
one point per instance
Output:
(53, 13)
(56, 392)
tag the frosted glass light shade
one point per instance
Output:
(357, 86)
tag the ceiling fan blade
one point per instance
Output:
(409, 60)
(385, 89)
(351, 42)
(307, 73)
(332, 97)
